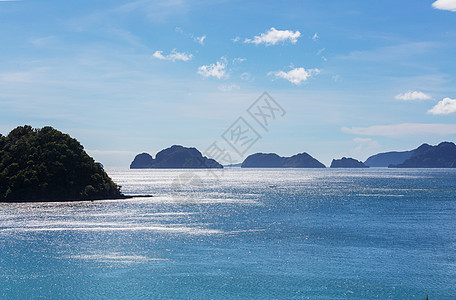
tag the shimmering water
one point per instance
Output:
(256, 234)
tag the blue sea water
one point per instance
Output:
(240, 234)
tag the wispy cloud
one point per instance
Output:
(415, 95)
(229, 88)
(315, 37)
(445, 5)
(364, 146)
(200, 39)
(246, 76)
(217, 70)
(296, 75)
(236, 39)
(173, 56)
(274, 36)
(33, 75)
(398, 52)
(41, 42)
(239, 60)
(403, 130)
(445, 107)
(110, 152)
(158, 10)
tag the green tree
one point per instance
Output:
(46, 164)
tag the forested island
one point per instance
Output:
(48, 165)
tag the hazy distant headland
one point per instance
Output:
(47, 165)
(384, 160)
(426, 156)
(174, 157)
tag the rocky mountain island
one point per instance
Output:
(345, 162)
(174, 157)
(272, 160)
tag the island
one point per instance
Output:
(345, 162)
(174, 157)
(272, 160)
(48, 165)
(426, 156)
(384, 160)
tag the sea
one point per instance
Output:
(240, 234)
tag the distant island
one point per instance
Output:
(345, 162)
(384, 160)
(426, 156)
(174, 157)
(272, 160)
(47, 165)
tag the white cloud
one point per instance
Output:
(445, 5)
(236, 39)
(403, 130)
(239, 60)
(200, 39)
(229, 88)
(214, 70)
(296, 75)
(247, 76)
(445, 107)
(315, 37)
(274, 36)
(173, 56)
(416, 95)
(320, 51)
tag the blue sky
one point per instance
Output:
(123, 77)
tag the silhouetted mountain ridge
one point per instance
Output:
(272, 160)
(345, 162)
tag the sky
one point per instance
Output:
(352, 78)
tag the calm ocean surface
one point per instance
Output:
(250, 234)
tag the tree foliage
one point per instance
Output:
(45, 164)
